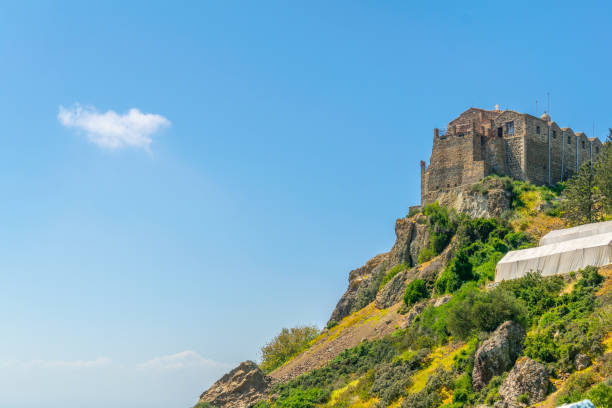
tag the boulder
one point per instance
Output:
(242, 387)
(582, 361)
(498, 353)
(393, 291)
(527, 377)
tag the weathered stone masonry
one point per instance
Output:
(481, 142)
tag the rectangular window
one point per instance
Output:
(509, 128)
(554, 134)
(460, 135)
(583, 146)
(538, 130)
(569, 139)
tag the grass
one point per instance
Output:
(368, 314)
(441, 357)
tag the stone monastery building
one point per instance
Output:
(481, 142)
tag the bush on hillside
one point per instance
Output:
(285, 345)
(458, 271)
(484, 311)
(441, 228)
(567, 324)
(415, 291)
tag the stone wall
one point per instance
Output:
(480, 142)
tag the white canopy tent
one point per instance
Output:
(556, 258)
(576, 232)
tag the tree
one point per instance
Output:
(415, 291)
(285, 345)
(583, 202)
(603, 173)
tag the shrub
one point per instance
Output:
(203, 405)
(415, 291)
(458, 271)
(567, 324)
(537, 292)
(285, 345)
(298, 398)
(392, 272)
(426, 254)
(414, 211)
(575, 387)
(391, 381)
(483, 311)
(441, 227)
(331, 324)
(523, 398)
(600, 395)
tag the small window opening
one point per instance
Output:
(538, 130)
(583, 145)
(510, 128)
(569, 140)
(554, 134)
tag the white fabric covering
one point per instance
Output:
(556, 258)
(576, 232)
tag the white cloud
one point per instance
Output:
(183, 359)
(111, 130)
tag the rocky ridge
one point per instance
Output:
(240, 388)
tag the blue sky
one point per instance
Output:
(270, 147)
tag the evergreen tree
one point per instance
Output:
(603, 176)
(583, 202)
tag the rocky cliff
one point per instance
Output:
(411, 238)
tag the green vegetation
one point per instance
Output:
(203, 405)
(562, 323)
(429, 364)
(583, 202)
(391, 273)
(481, 244)
(568, 326)
(415, 291)
(288, 343)
(480, 311)
(441, 227)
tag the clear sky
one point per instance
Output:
(180, 180)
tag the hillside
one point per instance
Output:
(424, 326)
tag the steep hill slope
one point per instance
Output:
(422, 326)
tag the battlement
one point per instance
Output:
(480, 142)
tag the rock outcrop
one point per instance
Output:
(393, 291)
(489, 201)
(242, 387)
(527, 377)
(411, 238)
(498, 353)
